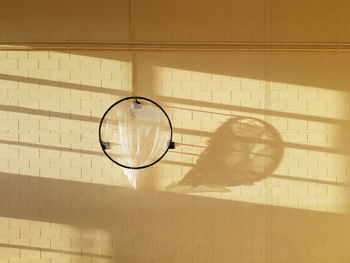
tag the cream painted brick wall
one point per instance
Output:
(52, 134)
(42, 139)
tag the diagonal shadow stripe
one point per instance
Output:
(252, 110)
(49, 113)
(177, 130)
(307, 147)
(65, 149)
(50, 147)
(177, 100)
(302, 179)
(58, 251)
(64, 85)
(116, 210)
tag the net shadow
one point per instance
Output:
(241, 151)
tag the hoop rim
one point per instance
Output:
(138, 167)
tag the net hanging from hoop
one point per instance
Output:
(135, 133)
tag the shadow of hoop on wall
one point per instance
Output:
(243, 150)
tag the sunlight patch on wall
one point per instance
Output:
(51, 105)
(315, 149)
(37, 240)
(302, 134)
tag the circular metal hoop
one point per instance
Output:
(135, 98)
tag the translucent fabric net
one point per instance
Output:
(135, 134)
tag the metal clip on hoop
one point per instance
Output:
(137, 101)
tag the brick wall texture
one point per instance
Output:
(260, 172)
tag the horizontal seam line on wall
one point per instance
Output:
(172, 46)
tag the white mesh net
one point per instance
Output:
(135, 134)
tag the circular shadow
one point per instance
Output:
(243, 150)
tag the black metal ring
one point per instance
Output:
(119, 101)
